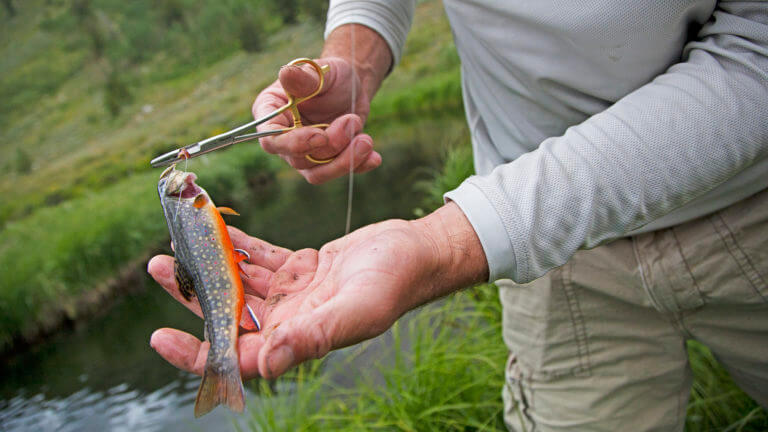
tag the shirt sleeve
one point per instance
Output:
(390, 18)
(670, 141)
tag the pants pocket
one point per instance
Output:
(516, 406)
(743, 230)
(544, 326)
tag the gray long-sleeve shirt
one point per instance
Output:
(597, 119)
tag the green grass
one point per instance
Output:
(440, 368)
(716, 402)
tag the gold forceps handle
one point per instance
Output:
(294, 101)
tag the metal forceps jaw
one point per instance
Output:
(235, 135)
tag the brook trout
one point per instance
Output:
(207, 267)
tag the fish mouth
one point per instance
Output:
(188, 188)
(180, 184)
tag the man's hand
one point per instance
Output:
(354, 288)
(343, 140)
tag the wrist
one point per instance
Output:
(371, 57)
(457, 259)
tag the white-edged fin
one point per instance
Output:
(245, 255)
(253, 317)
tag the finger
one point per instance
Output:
(296, 274)
(373, 161)
(361, 164)
(256, 279)
(297, 142)
(269, 100)
(249, 346)
(262, 253)
(361, 147)
(266, 103)
(161, 267)
(299, 80)
(180, 349)
(340, 133)
(296, 340)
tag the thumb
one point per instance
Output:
(299, 80)
(335, 324)
(296, 340)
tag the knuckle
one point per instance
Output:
(306, 253)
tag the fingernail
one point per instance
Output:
(279, 361)
(152, 340)
(317, 140)
(159, 270)
(362, 148)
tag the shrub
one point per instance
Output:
(250, 34)
(116, 93)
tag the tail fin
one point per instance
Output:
(221, 385)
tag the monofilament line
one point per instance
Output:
(350, 131)
(183, 186)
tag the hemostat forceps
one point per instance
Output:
(236, 135)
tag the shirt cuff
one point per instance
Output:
(391, 19)
(489, 228)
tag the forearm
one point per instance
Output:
(456, 259)
(370, 56)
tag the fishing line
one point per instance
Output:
(183, 186)
(350, 132)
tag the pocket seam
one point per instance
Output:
(737, 253)
(584, 368)
(517, 391)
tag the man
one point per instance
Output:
(621, 145)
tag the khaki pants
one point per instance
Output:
(599, 343)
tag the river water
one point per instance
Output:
(102, 375)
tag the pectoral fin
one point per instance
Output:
(184, 281)
(200, 201)
(241, 255)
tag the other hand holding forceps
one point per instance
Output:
(318, 154)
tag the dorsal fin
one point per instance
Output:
(227, 211)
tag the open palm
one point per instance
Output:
(308, 301)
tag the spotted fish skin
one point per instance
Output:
(206, 263)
